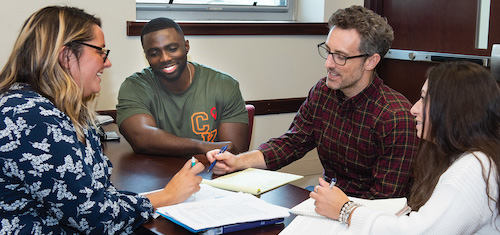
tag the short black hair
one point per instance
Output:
(159, 24)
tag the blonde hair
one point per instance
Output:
(35, 60)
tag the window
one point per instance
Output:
(217, 10)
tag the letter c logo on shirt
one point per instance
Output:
(213, 112)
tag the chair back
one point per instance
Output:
(251, 114)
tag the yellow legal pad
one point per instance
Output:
(253, 181)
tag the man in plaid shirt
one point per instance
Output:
(363, 130)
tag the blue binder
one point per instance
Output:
(226, 228)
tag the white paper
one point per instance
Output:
(206, 192)
(310, 222)
(390, 205)
(103, 119)
(235, 208)
(313, 225)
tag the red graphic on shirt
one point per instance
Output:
(213, 111)
(201, 127)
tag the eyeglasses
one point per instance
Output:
(104, 50)
(337, 58)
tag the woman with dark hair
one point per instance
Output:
(456, 187)
(55, 178)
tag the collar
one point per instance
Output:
(364, 96)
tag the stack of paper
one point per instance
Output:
(238, 208)
(251, 180)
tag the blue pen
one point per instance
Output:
(223, 149)
(334, 181)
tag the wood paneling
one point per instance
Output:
(445, 26)
(407, 77)
(494, 36)
(262, 107)
(134, 28)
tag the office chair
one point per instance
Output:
(251, 114)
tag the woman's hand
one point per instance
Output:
(181, 187)
(329, 201)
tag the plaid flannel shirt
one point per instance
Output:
(366, 142)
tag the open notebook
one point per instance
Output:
(310, 222)
(391, 205)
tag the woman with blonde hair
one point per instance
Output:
(55, 177)
(456, 189)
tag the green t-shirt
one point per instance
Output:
(213, 97)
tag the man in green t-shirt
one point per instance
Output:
(176, 107)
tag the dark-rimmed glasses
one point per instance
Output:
(104, 50)
(337, 58)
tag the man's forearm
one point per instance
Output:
(253, 159)
(159, 142)
(145, 137)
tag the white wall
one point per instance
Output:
(332, 5)
(321, 10)
(267, 67)
(126, 53)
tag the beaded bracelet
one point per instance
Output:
(343, 210)
(346, 211)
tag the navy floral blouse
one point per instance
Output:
(50, 182)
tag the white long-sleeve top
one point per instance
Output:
(458, 205)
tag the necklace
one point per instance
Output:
(190, 78)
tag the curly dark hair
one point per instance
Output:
(376, 34)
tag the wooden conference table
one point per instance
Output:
(142, 173)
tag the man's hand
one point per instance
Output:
(226, 162)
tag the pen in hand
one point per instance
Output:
(223, 149)
(193, 161)
(334, 181)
